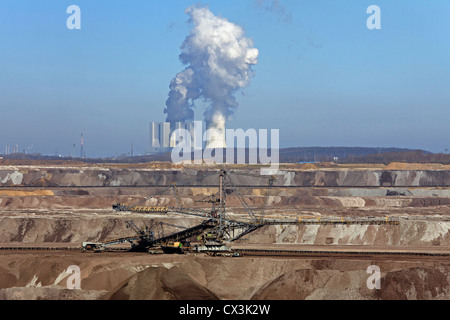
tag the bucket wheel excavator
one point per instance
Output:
(216, 228)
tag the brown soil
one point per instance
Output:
(416, 166)
(52, 216)
(164, 277)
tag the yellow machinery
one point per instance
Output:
(139, 209)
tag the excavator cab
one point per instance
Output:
(92, 246)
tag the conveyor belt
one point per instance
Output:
(334, 222)
(185, 234)
(267, 252)
(270, 252)
(28, 248)
(250, 186)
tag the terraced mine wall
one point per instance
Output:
(75, 230)
(55, 206)
(110, 177)
(35, 209)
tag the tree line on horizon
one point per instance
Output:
(351, 155)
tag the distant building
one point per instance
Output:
(163, 137)
(159, 137)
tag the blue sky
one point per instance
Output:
(323, 78)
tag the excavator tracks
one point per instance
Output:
(243, 252)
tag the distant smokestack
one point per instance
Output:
(81, 147)
(219, 60)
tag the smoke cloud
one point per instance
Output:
(219, 59)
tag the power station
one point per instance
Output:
(164, 135)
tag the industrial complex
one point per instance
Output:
(213, 213)
(163, 135)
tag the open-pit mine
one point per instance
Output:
(161, 231)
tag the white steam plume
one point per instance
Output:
(219, 59)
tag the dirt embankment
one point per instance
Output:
(41, 176)
(103, 198)
(408, 233)
(204, 278)
(77, 215)
(50, 215)
(75, 230)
